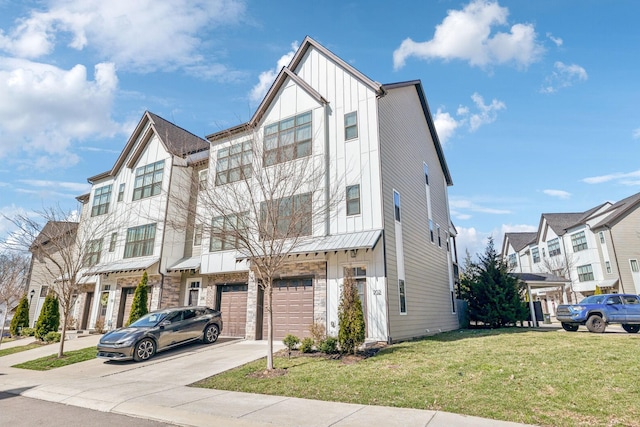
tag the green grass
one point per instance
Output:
(52, 362)
(18, 349)
(549, 378)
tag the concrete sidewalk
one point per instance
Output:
(157, 389)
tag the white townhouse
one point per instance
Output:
(598, 247)
(393, 230)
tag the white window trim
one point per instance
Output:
(188, 288)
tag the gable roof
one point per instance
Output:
(560, 222)
(53, 230)
(520, 240)
(176, 140)
(619, 210)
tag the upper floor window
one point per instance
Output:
(601, 235)
(234, 163)
(112, 242)
(226, 232)
(403, 297)
(579, 241)
(286, 217)
(350, 125)
(554, 247)
(425, 168)
(431, 231)
(439, 238)
(396, 205)
(148, 180)
(121, 192)
(353, 200)
(101, 198)
(585, 273)
(44, 291)
(535, 254)
(513, 260)
(92, 253)
(140, 241)
(634, 265)
(607, 264)
(202, 179)
(197, 235)
(287, 139)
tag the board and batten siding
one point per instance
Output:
(405, 144)
(624, 234)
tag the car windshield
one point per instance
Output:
(148, 320)
(593, 299)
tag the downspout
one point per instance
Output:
(566, 263)
(327, 178)
(164, 230)
(615, 255)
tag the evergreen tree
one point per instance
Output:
(49, 319)
(139, 304)
(20, 317)
(350, 317)
(494, 296)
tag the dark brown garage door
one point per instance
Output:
(292, 308)
(233, 305)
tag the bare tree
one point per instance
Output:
(63, 253)
(264, 202)
(561, 266)
(14, 269)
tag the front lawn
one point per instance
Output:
(19, 348)
(549, 378)
(50, 362)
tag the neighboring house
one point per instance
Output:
(598, 247)
(392, 231)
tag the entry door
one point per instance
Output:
(88, 302)
(192, 296)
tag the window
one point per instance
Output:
(197, 235)
(431, 234)
(631, 299)
(92, 253)
(202, 179)
(453, 302)
(513, 260)
(350, 125)
(439, 238)
(44, 291)
(286, 217)
(234, 163)
(601, 234)
(121, 193)
(288, 139)
(585, 273)
(359, 276)
(148, 180)
(353, 200)
(634, 265)
(140, 241)
(554, 247)
(101, 198)
(579, 241)
(608, 266)
(425, 168)
(403, 298)
(535, 254)
(396, 204)
(112, 242)
(226, 232)
(543, 254)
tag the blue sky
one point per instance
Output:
(535, 102)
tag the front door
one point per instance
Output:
(192, 296)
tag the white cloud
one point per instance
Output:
(629, 178)
(564, 76)
(467, 35)
(445, 125)
(556, 40)
(467, 117)
(77, 187)
(636, 134)
(469, 205)
(44, 108)
(142, 35)
(267, 77)
(486, 113)
(561, 194)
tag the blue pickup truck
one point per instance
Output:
(597, 311)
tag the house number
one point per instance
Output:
(377, 292)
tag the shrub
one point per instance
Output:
(291, 341)
(20, 317)
(318, 333)
(306, 345)
(52, 337)
(49, 319)
(71, 323)
(99, 326)
(350, 317)
(139, 304)
(329, 345)
(28, 332)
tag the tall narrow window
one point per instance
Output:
(427, 189)
(92, 253)
(197, 235)
(101, 198)
(439, 238)
(601, 234)
(202, 179)
(140, 241)
(396, 205)
(353, 200)
(634, 265)
(535, 254)
(513, 260)
(121, 192)
(608, 266)
(112, 242)
(148, 180)
(350, 126)
(403, 298)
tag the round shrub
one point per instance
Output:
(306, 346)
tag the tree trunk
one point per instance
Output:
(4, 319)
(269, 328)
(63, 335)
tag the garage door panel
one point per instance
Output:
(292, 309)
(233, 305)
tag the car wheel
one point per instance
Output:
(144, 350)
(570, 327)
(210, 334)
(632, 329)
(596, 324)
